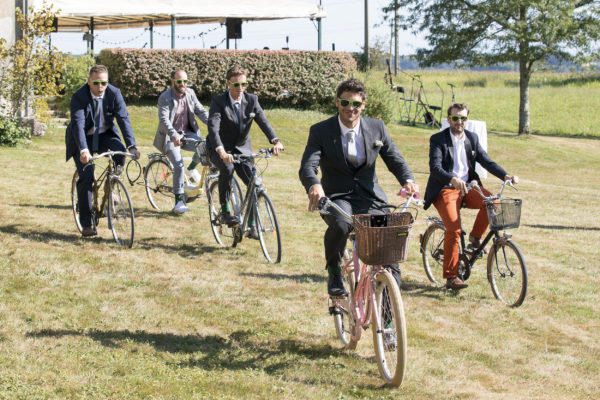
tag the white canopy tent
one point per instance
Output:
(117, 14)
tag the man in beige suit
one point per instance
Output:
(177, 108)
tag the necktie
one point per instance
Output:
(352, 154)
(96, 125)
(238, 111)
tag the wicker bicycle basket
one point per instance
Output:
(381, 245)
(504, 214)
(202, 152)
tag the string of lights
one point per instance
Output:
(181, 37)
(188, 37)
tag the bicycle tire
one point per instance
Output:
(75, 204)
(507, 273)
(158, 181)
(390, 343)
(268, 228)
(224, 235)
(343, 318)
(432, 249)
(121, 219)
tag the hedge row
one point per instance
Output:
(310, 77)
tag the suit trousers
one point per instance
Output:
(448, 205)
(243, 169)
(106, 141)
(174, 155)
(339, 228)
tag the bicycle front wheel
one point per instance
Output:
(158, 180)
(223, 234)
(390, 342)
(432, 249)
(343, 318)
(268, 228)
(120, 213)
(507, 273)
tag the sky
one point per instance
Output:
(344, 27)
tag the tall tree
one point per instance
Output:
(488, 32)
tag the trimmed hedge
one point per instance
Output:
(310, 77)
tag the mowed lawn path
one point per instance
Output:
(178, 317)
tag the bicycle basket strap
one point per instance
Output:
(380, 245)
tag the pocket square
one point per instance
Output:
(252, 115)
(378, 143)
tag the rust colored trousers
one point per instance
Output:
(448, 205)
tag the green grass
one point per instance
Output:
(178, 317)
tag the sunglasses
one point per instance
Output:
(238, 84)
(181, 80)
(346, 103)
(101, 83)
(457, 117)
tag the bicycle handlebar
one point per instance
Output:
(262, 153)
(474, 185)
(111, 153)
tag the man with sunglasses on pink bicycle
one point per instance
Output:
(346, 147)
(452, 156)
(94, 107)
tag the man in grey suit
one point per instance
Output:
(346, 147)
(177, 108)
(231, 116)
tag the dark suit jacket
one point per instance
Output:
(324, 149)
(223, 127)
(441, 162)
(82, 118)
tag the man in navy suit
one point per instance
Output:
(229, 121)
(452, 156)
(346, 147)
(92, 130)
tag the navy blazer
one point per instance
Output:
(441, 162)
(324, 148)
(82, 118)
(223, 126)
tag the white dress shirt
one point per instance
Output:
(461, 165)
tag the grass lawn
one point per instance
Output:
(178, 317)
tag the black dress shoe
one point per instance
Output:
(230, 220)
(253, 233)
(88, 231)
(335, 286)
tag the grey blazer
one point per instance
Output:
(324, 149)
(167, 105)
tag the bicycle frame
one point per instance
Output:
(250, 198)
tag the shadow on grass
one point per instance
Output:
(46, 236)
(239, 351)
(301, 278)
(49, 206)
(563, 227)
(429, 290)
(183, 250)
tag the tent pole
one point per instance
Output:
(151, 34)
(367, 33)
(172, 31)
(92, 32)
(319, 27)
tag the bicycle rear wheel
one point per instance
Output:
(75, 204)
(120, 213)
(223, 234)
(507, 273)
(432, 249)
(343, 319)
(158, 180)
(390, 342)
(268, 228)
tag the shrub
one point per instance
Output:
(74, 75)
(11, 133)
(309, 77)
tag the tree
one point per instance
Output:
(31, 66)
(489, 32)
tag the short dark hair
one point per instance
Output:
(352, 85)
(175, 71)
(459, 107)
(98, 69)
(235, 71)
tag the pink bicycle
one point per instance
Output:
(374, 296)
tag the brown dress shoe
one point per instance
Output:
(455, 283)
(88, 231)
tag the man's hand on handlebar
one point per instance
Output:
(315, 193)
(513, 178)
(277, 148)
(135, 152)
(226, 157)
(410, 187)
(459, 184)
(85, 156)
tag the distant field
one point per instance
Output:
(561, 104)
